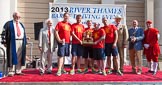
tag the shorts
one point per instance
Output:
(87, 52)
(150, 56)
(110, 51)
(63, 50)
(77, 50)
(99, 54)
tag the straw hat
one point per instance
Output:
(118, 16)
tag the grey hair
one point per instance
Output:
(16, 12)
(47, 20)
(135, 21)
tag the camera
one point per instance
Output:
(3, 38)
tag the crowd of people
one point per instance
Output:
(94, 44)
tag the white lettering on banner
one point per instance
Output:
(94, 12)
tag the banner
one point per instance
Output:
(94, 12)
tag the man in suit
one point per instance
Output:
(122, 40)
(16, 45)
(136, 35)
(46, 46)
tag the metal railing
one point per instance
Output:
(31, 50)
(4, 62)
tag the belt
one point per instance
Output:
(18, 39)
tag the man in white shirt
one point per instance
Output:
(46, 46)
(122, 40)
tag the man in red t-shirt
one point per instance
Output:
(111, 45)
(98, 48)
(77, 48)
(88, 48)
(62, 33)
(151, 47)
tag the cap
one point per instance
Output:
(149, 21)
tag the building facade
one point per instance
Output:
(33, 11)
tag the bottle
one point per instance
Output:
(63, 43)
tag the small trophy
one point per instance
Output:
(87, 37)
(132, 37)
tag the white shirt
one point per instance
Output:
(21, 30)
(135, 27)
(116, 23)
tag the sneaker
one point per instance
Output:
(58, 73)
(79, 71)
(121, 70)
(139, 72)
(154, 73)
(41, 73)
(85, 70)
(149, 71)
(63, 71)
(104, 73)
(49, 72)
(134, 71)
(94, 70)
(11, 74)
(109, 71)
(119, 73)
(99, 71)
(72, 72)
(19, 73)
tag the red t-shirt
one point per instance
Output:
(97, 34)
(110, 33)
(78, 30)
(64, 30)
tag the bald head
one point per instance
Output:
(96, 26)
(16, 16)
(104, 20)
(135, 23)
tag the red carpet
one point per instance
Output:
(33, 76)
